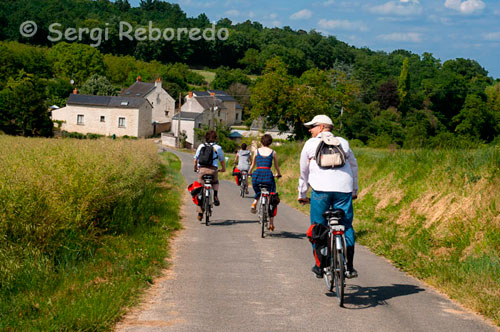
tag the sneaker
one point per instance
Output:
(216, 201)
(200, 216)
(253, 208)
(317, 271)
(246, 191)
(351, 274)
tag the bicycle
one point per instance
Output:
(243, 183)
(263, 208)
(334, 272)
(207, 197)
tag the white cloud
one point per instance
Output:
(328, 3)
(303, 14)
(402, 7)
(412, 37)
(232, 12)
(465, 7)
(342, 25)
(493, 36)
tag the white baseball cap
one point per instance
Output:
(318, 119)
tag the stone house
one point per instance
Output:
(106, 115)
(162, 103)
(231, 113)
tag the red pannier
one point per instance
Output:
(195, 189)
(237, 175)
(318, 236)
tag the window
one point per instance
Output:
(103, 118)
(199, 125)
(218, 114)
(79, 119)
(121, 122)
(237, 115)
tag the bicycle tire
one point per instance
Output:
(207, 211)
(330, 270)
(263, 219)
(339, 274)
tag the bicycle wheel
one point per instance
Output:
(328, 274)
(207, 211)
(242, 190)
(339, 274)
(263, 219)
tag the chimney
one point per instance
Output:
(139, 78)
(190, 94)
(158, 82)
(212, 94)
(75, 92)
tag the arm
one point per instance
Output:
(253, 164)
(304, 174)
(222, 160)
(275, 157)
(354, 168)
(236, 159)
(195, 165)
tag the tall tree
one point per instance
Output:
(22, 107)
(404, 85)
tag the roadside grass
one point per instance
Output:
(85, 246)
(433, 213)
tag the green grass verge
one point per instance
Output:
(434, 214)
(209, 76)
(93, 293)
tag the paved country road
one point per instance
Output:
(225, 277)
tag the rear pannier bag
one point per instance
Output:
(274, 200)
(318, 235)
(196, 191)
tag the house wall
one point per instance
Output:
(163, 104)
(188, 127)
(191, 105)
(231, 111)
(135, 125)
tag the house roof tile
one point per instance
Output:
(106, 101)
(138, 89)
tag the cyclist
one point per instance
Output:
(243, 162)
(335, 187)
(263, 160)
(217, 155)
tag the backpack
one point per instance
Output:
(318, 235)
(329, 153)
(206, 156)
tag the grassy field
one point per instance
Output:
(208, 75)
(435, 214)
(84, 227)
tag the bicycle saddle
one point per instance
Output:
(208, 177)
(264, 187)
(331, 213)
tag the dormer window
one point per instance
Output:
(124, 103)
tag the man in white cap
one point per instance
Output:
(332, 186)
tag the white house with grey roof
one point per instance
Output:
(105, 115)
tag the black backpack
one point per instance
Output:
(206, 156)
(329, 153)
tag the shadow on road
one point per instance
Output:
(357, 297)
(231, 222)
(287, 235)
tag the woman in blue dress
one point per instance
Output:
(263, 161)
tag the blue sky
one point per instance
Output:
(446, 28)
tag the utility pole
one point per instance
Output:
(212, 124)
(178, 139)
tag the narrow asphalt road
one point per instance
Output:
(225, 277)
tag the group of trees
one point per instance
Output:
(379, 98)
(424, 104)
